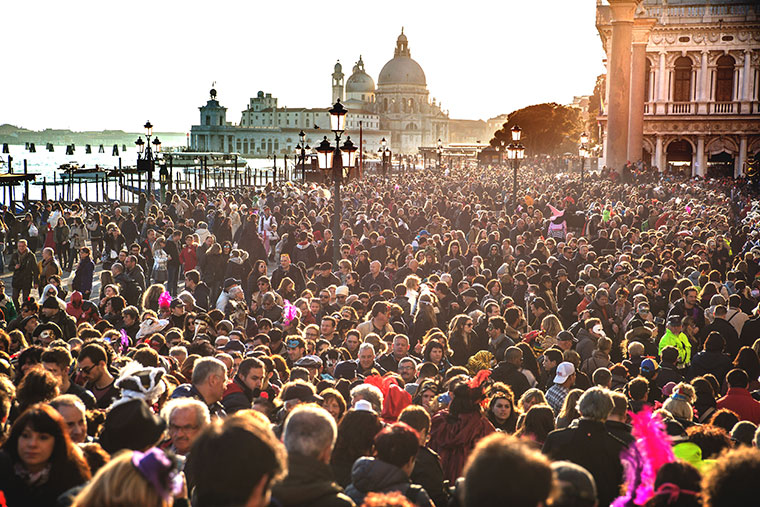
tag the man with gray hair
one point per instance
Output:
(309, 436)
(369, 393)
(72, 410)
(207, 385)
(590, 445)
(186, 419)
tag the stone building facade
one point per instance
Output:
(683, 83)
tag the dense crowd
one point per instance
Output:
(466, 349)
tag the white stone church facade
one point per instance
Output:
(398, 109)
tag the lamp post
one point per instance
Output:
(146, 156)
(515, 154)
(303, 148)
(584, 152)
(439, 151)
(334, 161)
(387, 155)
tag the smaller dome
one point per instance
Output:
(360, 81)
(338, 67)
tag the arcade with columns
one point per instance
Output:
(683, 84)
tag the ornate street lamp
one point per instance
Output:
(146, 160)
(515, 154)
(386, 154)
(301, 150)
(439, 151)
(584, 153)
(335, 162)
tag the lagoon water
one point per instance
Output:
(45, 164)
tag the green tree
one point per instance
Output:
(548, 129)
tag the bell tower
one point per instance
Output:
(337, 83)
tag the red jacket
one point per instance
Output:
(188, 258)
(740, 401)
(454, 437)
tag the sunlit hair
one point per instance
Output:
(119, 483)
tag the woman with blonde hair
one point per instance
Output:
(149, 479)
(550, 328)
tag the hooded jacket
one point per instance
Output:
(309, 482)
(372, 475)
(74, 306)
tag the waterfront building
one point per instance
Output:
(398, 109)
(682, 84)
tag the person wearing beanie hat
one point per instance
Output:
(53, 311)
(131, 425)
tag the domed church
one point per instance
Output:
(401, 99)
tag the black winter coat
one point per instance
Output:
(428, 473)
(510, 375)
(591, 446)
(309, 482)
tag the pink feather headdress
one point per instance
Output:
(644, 457)
(165, 300)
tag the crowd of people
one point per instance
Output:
(466, 349)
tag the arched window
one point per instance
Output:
(385, 105)
(682, 80)
(724, 79)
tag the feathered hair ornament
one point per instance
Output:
(289, 312)
(165, 300)
(644, 457)
(124, 341)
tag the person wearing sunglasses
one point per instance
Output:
(93, 367)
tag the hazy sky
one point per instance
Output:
(91, 65)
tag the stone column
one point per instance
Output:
(662, 83)
(641, 29)
(742, 158)
(704, 85)
(619, 76)
(746, 97)
(700, 166)
(659, 161)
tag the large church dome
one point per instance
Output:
(402, 69)
(360, 81)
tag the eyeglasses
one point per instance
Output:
(182, 429)
(85, 369)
